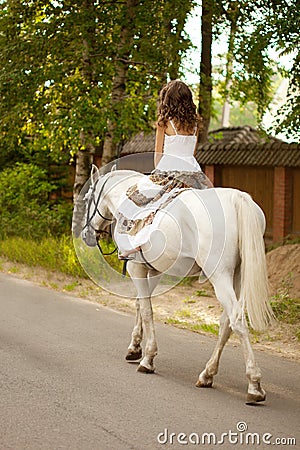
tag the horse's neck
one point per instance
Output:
(122, 180)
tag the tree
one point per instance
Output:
(283, 29)
(149, 48)
(79, 76)
(59, 71)
(205, 86)
(122, 59)
(253, 28)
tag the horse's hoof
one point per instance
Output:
(253, 399)
(201, 384)
(144, 369)
(133, 355)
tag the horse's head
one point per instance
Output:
(97, 214)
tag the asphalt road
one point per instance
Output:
(65, 383)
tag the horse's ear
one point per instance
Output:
(94, 174)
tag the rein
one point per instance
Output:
(98, 232)
(99, 246)
(96, 210)
(92, 199)
(145, 261)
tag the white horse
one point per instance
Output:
(218, 230)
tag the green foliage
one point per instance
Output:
(57, 63)
(240, 115)
(256, 28)
(25, 206)
(289, 114)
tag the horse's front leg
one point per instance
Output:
(144, 323)
(134, 349)
(147, 363)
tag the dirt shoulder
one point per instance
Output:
(192, 307)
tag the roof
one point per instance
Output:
(236, 135)
(253, 154)
(140, 143)
(230, 146)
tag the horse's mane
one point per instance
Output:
(124, 173)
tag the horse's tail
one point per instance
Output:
(254, 292)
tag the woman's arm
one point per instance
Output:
(159, 144)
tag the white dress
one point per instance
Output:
(177, 170)
(178, 153)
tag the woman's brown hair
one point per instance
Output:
(176, 103)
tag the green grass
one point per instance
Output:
(52, 253)
(286, 308)
(203, 293)
(70, 287)
(197, 327)
(189, 300)
(56, 254)
(184, 313)
(186, 281)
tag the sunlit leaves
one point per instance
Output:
(259, 26)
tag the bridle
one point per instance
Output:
(96, 210)
(98, 232)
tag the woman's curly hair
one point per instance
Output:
(176, 103)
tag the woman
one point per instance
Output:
(177, 126)
(175, 168)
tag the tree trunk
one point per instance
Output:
(205, 88)
(119, 82)
(83, 168)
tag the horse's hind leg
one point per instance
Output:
(211, 368)
(226, 295)
(255, 391)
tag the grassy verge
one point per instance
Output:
(286, 308)
(285, 241)
(51, 253)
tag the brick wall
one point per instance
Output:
(210, 173)
(283, 203)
